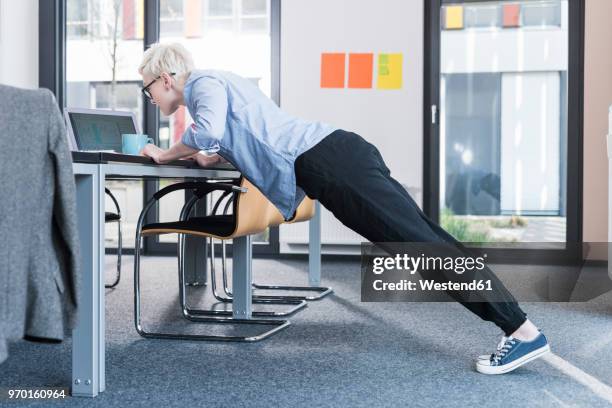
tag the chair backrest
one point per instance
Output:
(255, 212)
(304, 212)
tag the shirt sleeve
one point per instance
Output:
(210, 108)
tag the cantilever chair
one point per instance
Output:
(304, 212)
(115, 217)
(274, 218)
(252, 214)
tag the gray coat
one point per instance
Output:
(39, 247)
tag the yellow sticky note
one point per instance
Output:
(390, 71)
(454, 17)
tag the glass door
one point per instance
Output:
(500, 169)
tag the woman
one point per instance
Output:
(286, 158)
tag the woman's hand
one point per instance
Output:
(153, 152)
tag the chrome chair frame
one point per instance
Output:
(298, 304)
(323, 291)
(200, 189)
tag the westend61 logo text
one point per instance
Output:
(426, 263)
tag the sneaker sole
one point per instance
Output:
(513, 365)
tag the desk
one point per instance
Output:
(91, 170)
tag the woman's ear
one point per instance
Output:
(167, 78)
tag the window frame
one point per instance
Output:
(574, 129)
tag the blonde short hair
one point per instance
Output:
(166, 58)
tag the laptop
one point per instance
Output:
(97, 130)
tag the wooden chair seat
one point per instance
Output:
(218, 226)
(252, 214)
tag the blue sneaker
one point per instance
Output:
(511, 354)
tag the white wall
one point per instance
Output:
(19, 43)
(392, 120)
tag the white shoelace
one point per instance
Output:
(503, 347)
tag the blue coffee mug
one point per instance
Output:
(133, 143)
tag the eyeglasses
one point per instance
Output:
(145, 89)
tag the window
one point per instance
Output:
(542, 13)
(119, 96)
(77, 18)
(237, 16)
(502, 14)
(254, 16)
(103, 50)
(171, 17)
(104, 46)
(254, 7)
(483, 16)
(472, 105)
(503, 121)
(220, 8)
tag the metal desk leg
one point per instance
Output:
(241, 277)
(196, 253)
(102, 290)
(86, 336)
(314, 247)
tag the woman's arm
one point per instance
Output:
(161, 156)
(210, 99)
(204, 160)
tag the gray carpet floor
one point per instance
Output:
(338, 352)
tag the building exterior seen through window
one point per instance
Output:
(503, 120)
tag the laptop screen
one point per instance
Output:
(100, 132)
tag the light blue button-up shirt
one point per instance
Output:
(233, 118)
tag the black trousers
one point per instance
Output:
(349, 177)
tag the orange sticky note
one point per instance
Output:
(360, 70)
(332, 70)
(512, 13)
